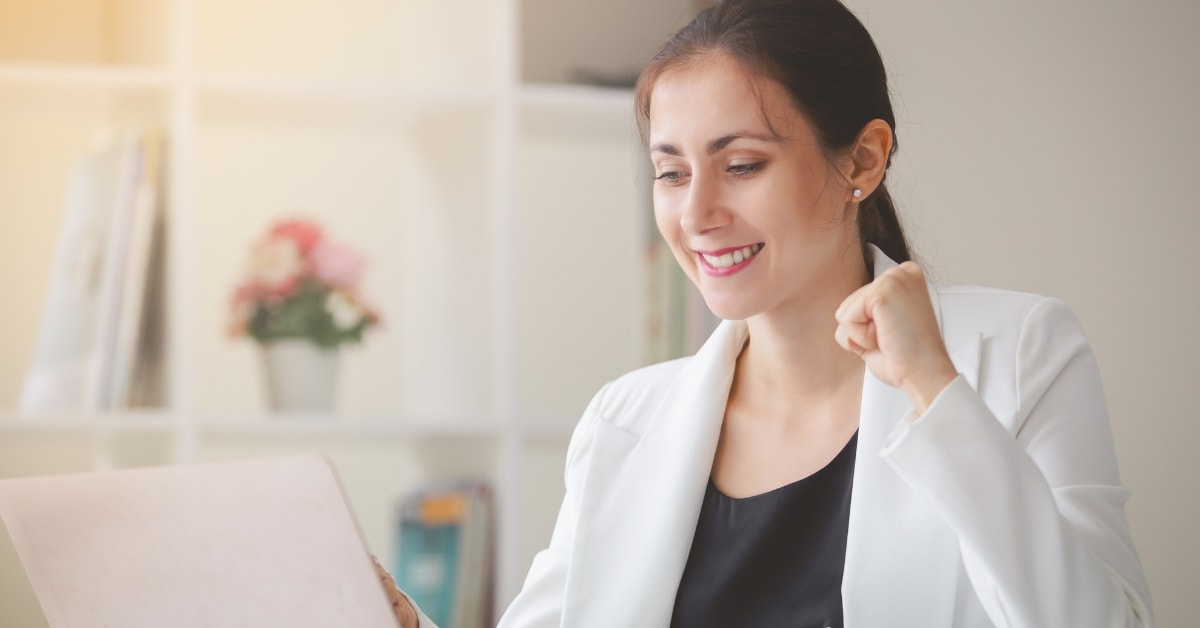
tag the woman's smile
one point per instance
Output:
(725, 262)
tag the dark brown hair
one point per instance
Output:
(826, 60)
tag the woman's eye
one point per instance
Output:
(742, 170)
(671, 177)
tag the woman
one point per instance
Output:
(853, 446)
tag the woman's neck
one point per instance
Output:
(791, 355)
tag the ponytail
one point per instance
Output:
(879, 224)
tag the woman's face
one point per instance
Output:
(756, 215)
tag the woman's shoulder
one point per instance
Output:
(983, 302)
(630, 395)
(999, 313)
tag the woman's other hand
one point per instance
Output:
(890, 324)
(405, 613)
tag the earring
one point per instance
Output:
(857, 192)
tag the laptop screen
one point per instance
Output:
(245, 543)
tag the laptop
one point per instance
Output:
(228, 544)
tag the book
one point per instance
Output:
(86, 350)
(445, 553)
(127, 333)
(63, 354)
(112, 272)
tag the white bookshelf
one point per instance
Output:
(502, 222)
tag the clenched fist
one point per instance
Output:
(890, 323)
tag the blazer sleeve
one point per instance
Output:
(540, 602)
(1039, 511)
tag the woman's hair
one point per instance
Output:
(825, 59)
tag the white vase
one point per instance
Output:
(301, 377)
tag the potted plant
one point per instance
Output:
(300, 301)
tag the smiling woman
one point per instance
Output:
(746, 173)
(854, 446)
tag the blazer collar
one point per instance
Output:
(902, 560)
(643, 493)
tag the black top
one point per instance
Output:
(773, 560)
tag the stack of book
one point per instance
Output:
(96, 348)
(445, 553)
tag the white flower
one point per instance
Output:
(345, 312)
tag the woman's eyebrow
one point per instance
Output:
(722, 142)
(715, 145)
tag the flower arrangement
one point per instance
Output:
(298, 284)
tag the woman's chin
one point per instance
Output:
(729, 309)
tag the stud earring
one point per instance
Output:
(857, 192)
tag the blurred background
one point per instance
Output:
(479, 156)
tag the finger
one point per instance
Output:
(853, 308)
(856, 338)
(912, 269)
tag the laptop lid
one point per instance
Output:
(247, 543)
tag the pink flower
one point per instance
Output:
(305, 234)
(276, 266)
(337, 265)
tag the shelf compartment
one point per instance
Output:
(44, 137)
(579, 209)
(564, 39)
(409, 191)
(377, 39)
(116, 32)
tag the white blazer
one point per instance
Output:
(999, 506)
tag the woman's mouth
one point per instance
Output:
(728, 261)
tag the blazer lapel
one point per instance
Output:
(902, 561)
(644, 492)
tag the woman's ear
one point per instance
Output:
(869, 157)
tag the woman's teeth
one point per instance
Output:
(736, 257)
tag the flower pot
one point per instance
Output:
(301, 376)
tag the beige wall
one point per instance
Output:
(1052, 147)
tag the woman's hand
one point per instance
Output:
(405, 614)
(890, 324)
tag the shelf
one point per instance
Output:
(66, 75)
(281, 425)
(332, 91)
(102, 423)
(549, 95)
(324, 426)
(45, 88)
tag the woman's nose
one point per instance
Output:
(703, 209)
